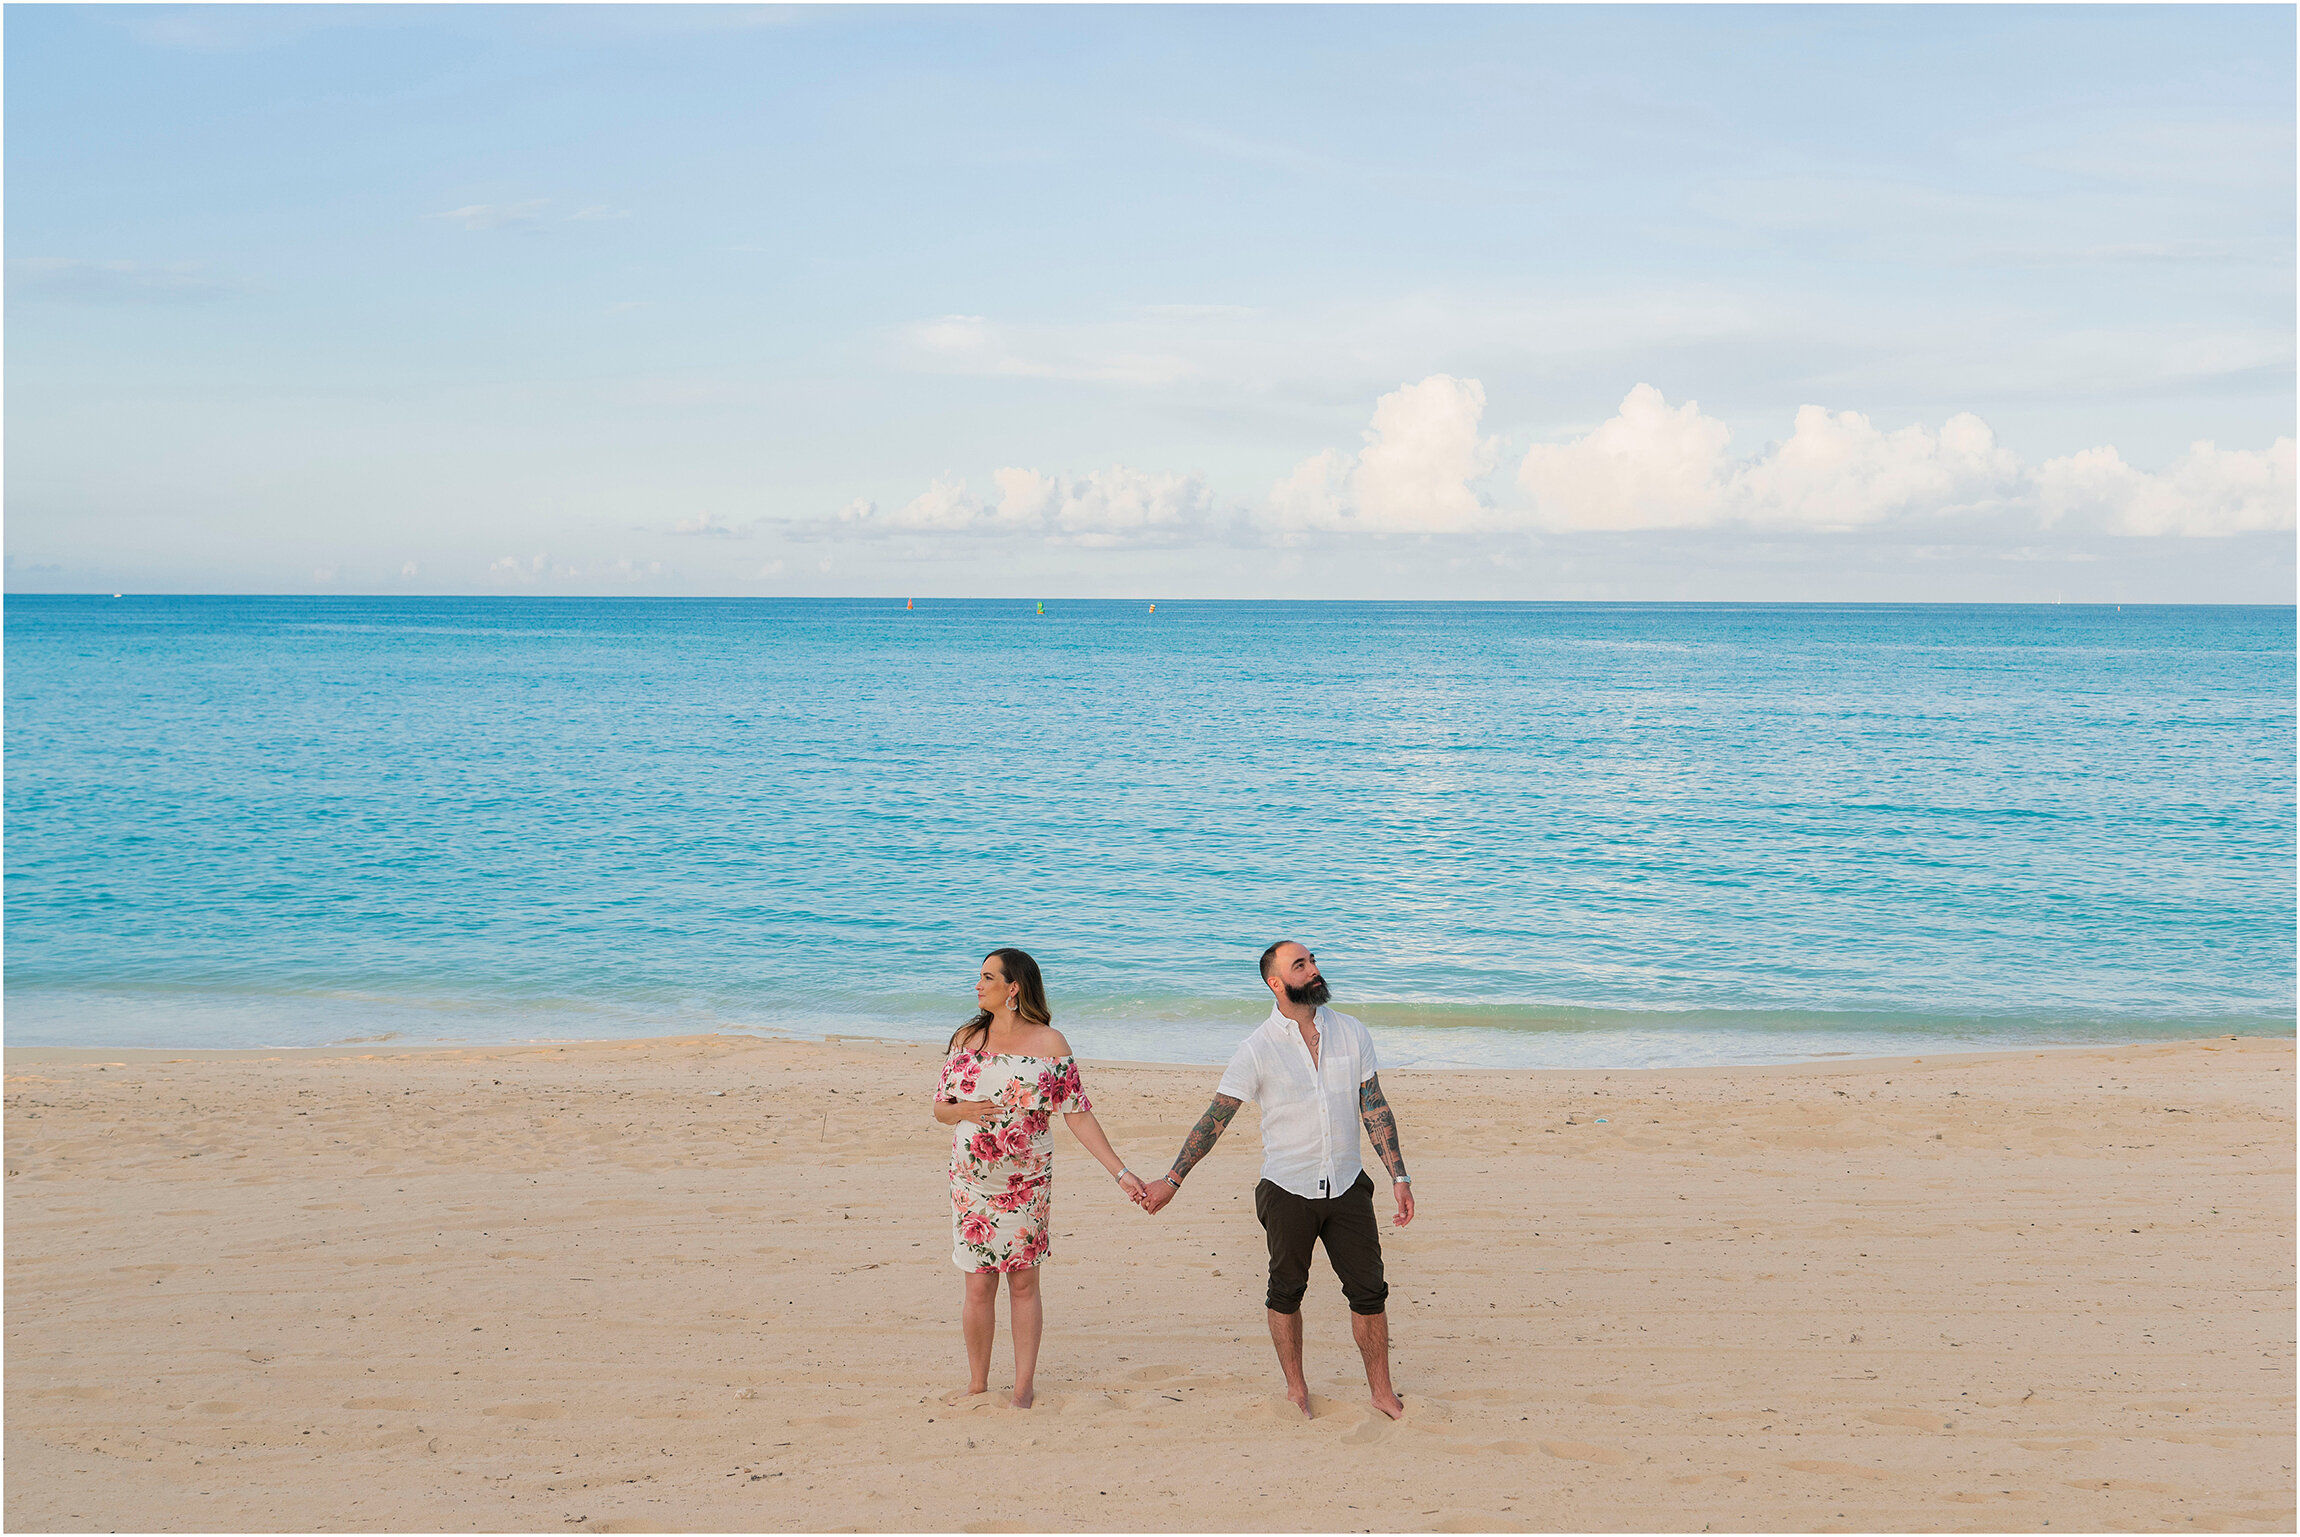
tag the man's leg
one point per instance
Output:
(1353, 1239)
(1372, 1332)
(1291, 1229)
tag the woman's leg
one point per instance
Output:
(979, 1317)
(1027, 1312)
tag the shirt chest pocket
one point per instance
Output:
(1338, 1071)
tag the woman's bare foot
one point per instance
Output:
(1393, 1406)
(1023, 1396)
(960, 1395)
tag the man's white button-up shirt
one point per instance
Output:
(1309, 1110)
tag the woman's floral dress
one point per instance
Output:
(1002, 1171)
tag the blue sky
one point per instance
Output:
(1509, 302)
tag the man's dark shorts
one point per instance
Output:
(1346, 1225)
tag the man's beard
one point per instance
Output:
(1314, 992)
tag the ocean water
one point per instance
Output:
(1517, 835)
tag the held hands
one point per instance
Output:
(1155, 1195)
(975, 1110)
(1131, 1183)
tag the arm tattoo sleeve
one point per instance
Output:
(1382, 1126)
(1204, 1135)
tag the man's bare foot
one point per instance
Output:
(1022, 1397)
(1300, 1401)
(960, 1395)
(1393, 1406)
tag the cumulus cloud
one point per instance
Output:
(1413, 474)
(1654, 466)
(1424, 467)
(2207, 492)
(709, 525)
(1650, 466)
(1105, 507)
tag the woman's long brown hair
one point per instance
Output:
(1022, 971)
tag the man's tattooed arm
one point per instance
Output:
(1204, 1135)
(1381, 1125)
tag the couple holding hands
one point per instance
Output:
(1009, 1072)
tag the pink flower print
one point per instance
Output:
(1015, 1141)
(1013, 1199)
(976, 1228)
(984, 1146)
(967, 1079)
(1037, 1121)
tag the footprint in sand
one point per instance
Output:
(1582, 1451)
(526, 1411)
(1276, 1407)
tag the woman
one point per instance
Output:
(1009, 1073)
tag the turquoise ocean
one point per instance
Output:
(1516, 835)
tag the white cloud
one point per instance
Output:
(2207, 492)
(1648, 467)
(1838, 471)
(1657, 466)
(709, 524)
(1414, 473)
(1104, 507)
(408, 569)
(1423, 467)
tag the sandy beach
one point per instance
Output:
(705, 1284)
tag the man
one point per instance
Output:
(1312, 1072)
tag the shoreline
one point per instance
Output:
(704, 1283)
(13, 1056)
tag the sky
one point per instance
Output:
(1807, 303)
